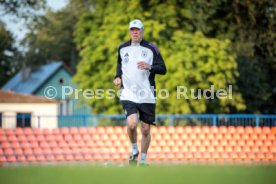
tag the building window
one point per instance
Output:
(66, 107)
(23, 120)
(61, 81)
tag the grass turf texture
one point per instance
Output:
(188, 174)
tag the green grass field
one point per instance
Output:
(182, 174)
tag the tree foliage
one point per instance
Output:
(192, 59)
(21, 8)
(8, 66)
(50, 37)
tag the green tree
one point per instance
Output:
(21, 8)
(50, 36)
(8, 62)
(192, 59)
(196, 63)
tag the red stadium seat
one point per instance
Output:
(205, 130)
(188, 130)
(118, 130)
(11, 138)
(249, 129)
(50, 158)
(36, 132)
(56, 131)
(8, 151)
(18, 151)
(40, 158)
(37, 151)
(74, 130)
(50, 137)
(214, 130)
(69, 157)
(64, 130)
(9, 132)
(31, 137)
(240, 130)
(19, 131)
(47, 132)
(21, 158)
(28, 151)
(257, 130)
(47, 151)
(100, 130)
(4, 138)
(31, 158)
(11, 158)
(21, 138)
(83, 130)
(6, 145)
(3, 159)
(273, 130)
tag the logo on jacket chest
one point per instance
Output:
(144, 53)
(126, 58)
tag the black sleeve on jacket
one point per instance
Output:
(119, 66)
(158, 66)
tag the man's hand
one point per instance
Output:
(143, 65)
(117, 81)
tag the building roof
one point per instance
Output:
(11, 97)
(35, 79)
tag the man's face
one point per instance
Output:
(136, 34)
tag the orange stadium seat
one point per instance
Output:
(18, 151)
(4, 138)
(5, 145)
(257, 130)
(47, 151)
(21, 158)
(50, 137)
(69, 157)
(273, 130)
(47, 132)
(34, 144)
(40, 158)
(59, 157)
(11, 158)
(74, 130)
(35, 131)
(31, 137)
(50, 158)
(240, 130)
(19, 131)
(9, 132)
(56, 131)
(179, 130)
(3, 159)
(27, 151)
(219, 144)
(83, 130)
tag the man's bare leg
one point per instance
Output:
(132, 122)
(146, 137)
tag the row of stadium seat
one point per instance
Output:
(157, 130)
(111, 143)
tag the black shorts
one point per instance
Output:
(146, 110)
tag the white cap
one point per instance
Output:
(136, 23)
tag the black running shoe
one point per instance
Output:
(133, 159)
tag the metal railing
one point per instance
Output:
(119, 120)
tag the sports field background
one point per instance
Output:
(182, 174)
